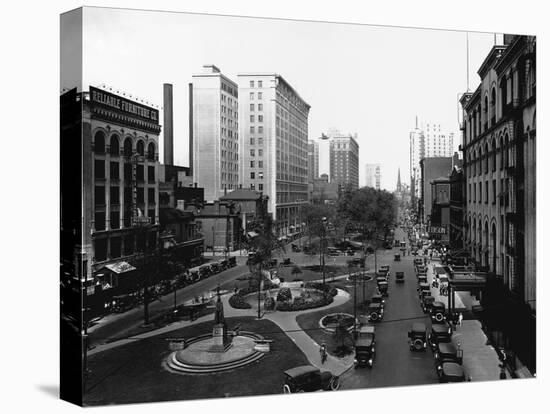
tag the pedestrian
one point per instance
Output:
(460, 316)
(323, 352)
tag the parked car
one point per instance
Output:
(232, 261)
(423, 287)
(381, 279)
(437, 312)
(422, 278)
(307, 378)
(447, 352)
(451, 372)
(385, 268)
(205, 271)
(427, 303)
(418, 261)
(399, 277)
(378, 299)
(376, 312)
(365, 347)
(397, 257)
(440, 333)
(383, 288)
(417, 337)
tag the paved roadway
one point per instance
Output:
(394, 363)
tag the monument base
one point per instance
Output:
(221, 342)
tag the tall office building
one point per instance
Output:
(427, 141)
(374, 175)
(312, 160)
(215, 132)
(344, 158)
(273, 121)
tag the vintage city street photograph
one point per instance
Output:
(254, 206)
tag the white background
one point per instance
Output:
(30, 206)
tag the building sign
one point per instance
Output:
(122, 105)
(437, 230)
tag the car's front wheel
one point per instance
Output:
(418, 345)
(286, 389)
(334, 383)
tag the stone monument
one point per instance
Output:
(221, 342)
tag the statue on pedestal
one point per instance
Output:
(221, 341)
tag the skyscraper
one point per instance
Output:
(273, 121)
(312, 160)
(215, 132)
(344, 158)
(374, 175)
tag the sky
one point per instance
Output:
(369, 80)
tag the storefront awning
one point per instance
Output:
(120, 267)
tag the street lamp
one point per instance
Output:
(323, 237)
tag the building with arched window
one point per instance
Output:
(119, 188)
(499, 148)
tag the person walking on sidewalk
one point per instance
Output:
(323, 352)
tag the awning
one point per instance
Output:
(120, 267)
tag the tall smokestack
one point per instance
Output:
(168, 125)
(191, 128)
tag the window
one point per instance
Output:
(480, 192)
(140, 173)
(151, 196)
(474, 193)
(128, 245)
(486, 192)
(99, 142)
(260, 175)
(114, 170)
(251, 118)
(260, 118)
(469, 192)
(114, 196)
(114, 148)
(251, 107)
(251, 129)
(260, 84)
(494, 191)
(260, 107)
(151, 173)
(252, 153)
(140, 195)
(251, 164)
(99, 220)
(252, 175)
(252, 186)
(260, 94)
(260, 164)
(261, 187)
(140, 148)
(251, 141)
(251, 96)
(116, 246)
(251, 84)
(99, 195)
(114, 220)
(99, 169)
(260, 140)
(260, 152)
(151, 152)
(127, 147)
(100, 248)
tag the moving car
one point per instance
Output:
(375, 312)
(399, 277)
(441, 333)
(451, 372)
(307, 378)
(417, 337)
(365, 347)
(437, 312)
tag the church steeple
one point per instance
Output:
(399, 179)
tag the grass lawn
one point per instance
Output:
(310, 321)
(134, 373)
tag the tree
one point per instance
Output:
(342, 336)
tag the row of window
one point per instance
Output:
(260, 107)
(253, 164)
(114, 195)
(258, 94)
(253, 152)
(477, 194)
(116, 221)
(116, 247)
(253, 175)
(260, 129)
(260, 84)
(114, 171)
(479, 162)
(253, 118)
(127, 150)
(260, 187)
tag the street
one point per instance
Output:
(394, 363)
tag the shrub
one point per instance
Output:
(269, 303)
(284, 295)
(328, 289)
(300, 304)
(237, 301)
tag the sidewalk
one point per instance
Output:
(480, 361)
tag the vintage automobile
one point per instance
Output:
(399, 277)
(451, 372)
(397, 257)
(365, 347)
(215, 268)
(418, 261)
(421, 269)
(427, 303)
(307, 378)
(376, 312)
(441, 333)
(381, 279)
(205, 271)
(422, 278)
(378, 299)
(224, 264)
(423, 287)
(447, 352)
(385, 268)
(232, 261)
(333, 251)
(417, 337)
(349, 252)
(295, 248)
(437, 312)
(383, 288)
